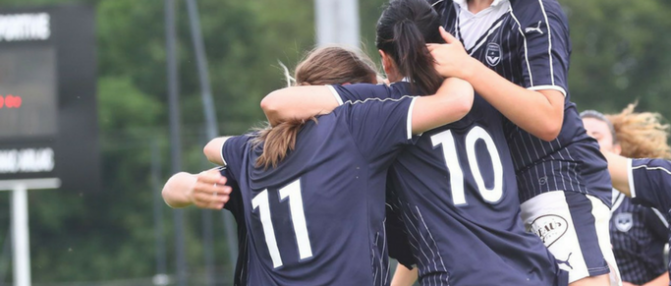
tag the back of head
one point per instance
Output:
(329, 65)
(403, 30)
(641, 135)
(335, 65)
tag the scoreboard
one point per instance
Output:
(48, 113)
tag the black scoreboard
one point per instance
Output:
(48, 113)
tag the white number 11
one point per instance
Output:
(293, 193)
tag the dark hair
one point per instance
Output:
(329, 65)
(403, 30)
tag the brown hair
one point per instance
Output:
(641, 135)
(328, 65)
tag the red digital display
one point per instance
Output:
(10, 101)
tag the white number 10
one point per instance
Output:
(293, 193)
(446, 139)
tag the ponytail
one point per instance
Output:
(403, 31)
(413, 58)
(277, 141)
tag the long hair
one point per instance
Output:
(403, 30)
(329, 65)
(641, 135)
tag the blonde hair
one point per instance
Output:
(641, 135)
(328, 65)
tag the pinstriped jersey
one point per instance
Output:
(318, 217)
(638, 235)
(528, 44)
(456, 193)
(650, 184)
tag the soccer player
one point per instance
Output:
(456, 186)
(638, 233)
(646, 181)
(516, 55)
(311, 193)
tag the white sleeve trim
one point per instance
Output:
(221, 150)
(335, 94)
(630, 177)
(544, 87)
(661, 217)
(409, 120)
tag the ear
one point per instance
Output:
(387, 63)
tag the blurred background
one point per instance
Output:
(123, 234)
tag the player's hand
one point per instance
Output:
(210, 190)
(451, 59)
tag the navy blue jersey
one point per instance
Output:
(529, 45)
(235, 206)
(638, 235)
(318, 217)
(457, 193)
(650, 184)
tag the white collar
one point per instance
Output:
(464, 3)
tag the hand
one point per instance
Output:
(210, 190)
(451, 59)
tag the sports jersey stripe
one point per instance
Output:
(434, 243)
(547, 23)
(335, 94)
(632, 186)
(661, 216)
(484, 39)
(526, 51)
(433, 254)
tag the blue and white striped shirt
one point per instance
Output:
(529, 45)
(638, 235)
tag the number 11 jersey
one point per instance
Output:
(318, 217)
(457, 193)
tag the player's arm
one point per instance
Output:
(618, 168)
(205, 190)
(539, 112)
(213, 150)
(300, 102)
(404, 276)
(661, 280)
(452, 101)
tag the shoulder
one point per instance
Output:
(534, 10)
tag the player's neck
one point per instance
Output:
(475, 6)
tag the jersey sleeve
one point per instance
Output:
(650, 182)
(546, 48)
(381, 127)
(232, 154)
(360, 92)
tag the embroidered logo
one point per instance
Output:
(624, 222)
(531, 29)
(549, 228)
(493, 54)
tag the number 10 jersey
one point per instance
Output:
(457, 194)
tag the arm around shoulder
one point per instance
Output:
(300, 102)
(452, 101)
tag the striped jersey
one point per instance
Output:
(456, 191)
(638, 235)
(650, 184)
(527, 42)
(318, 217)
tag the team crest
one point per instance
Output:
(549, 228)
(493, 54)
(624, 222)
